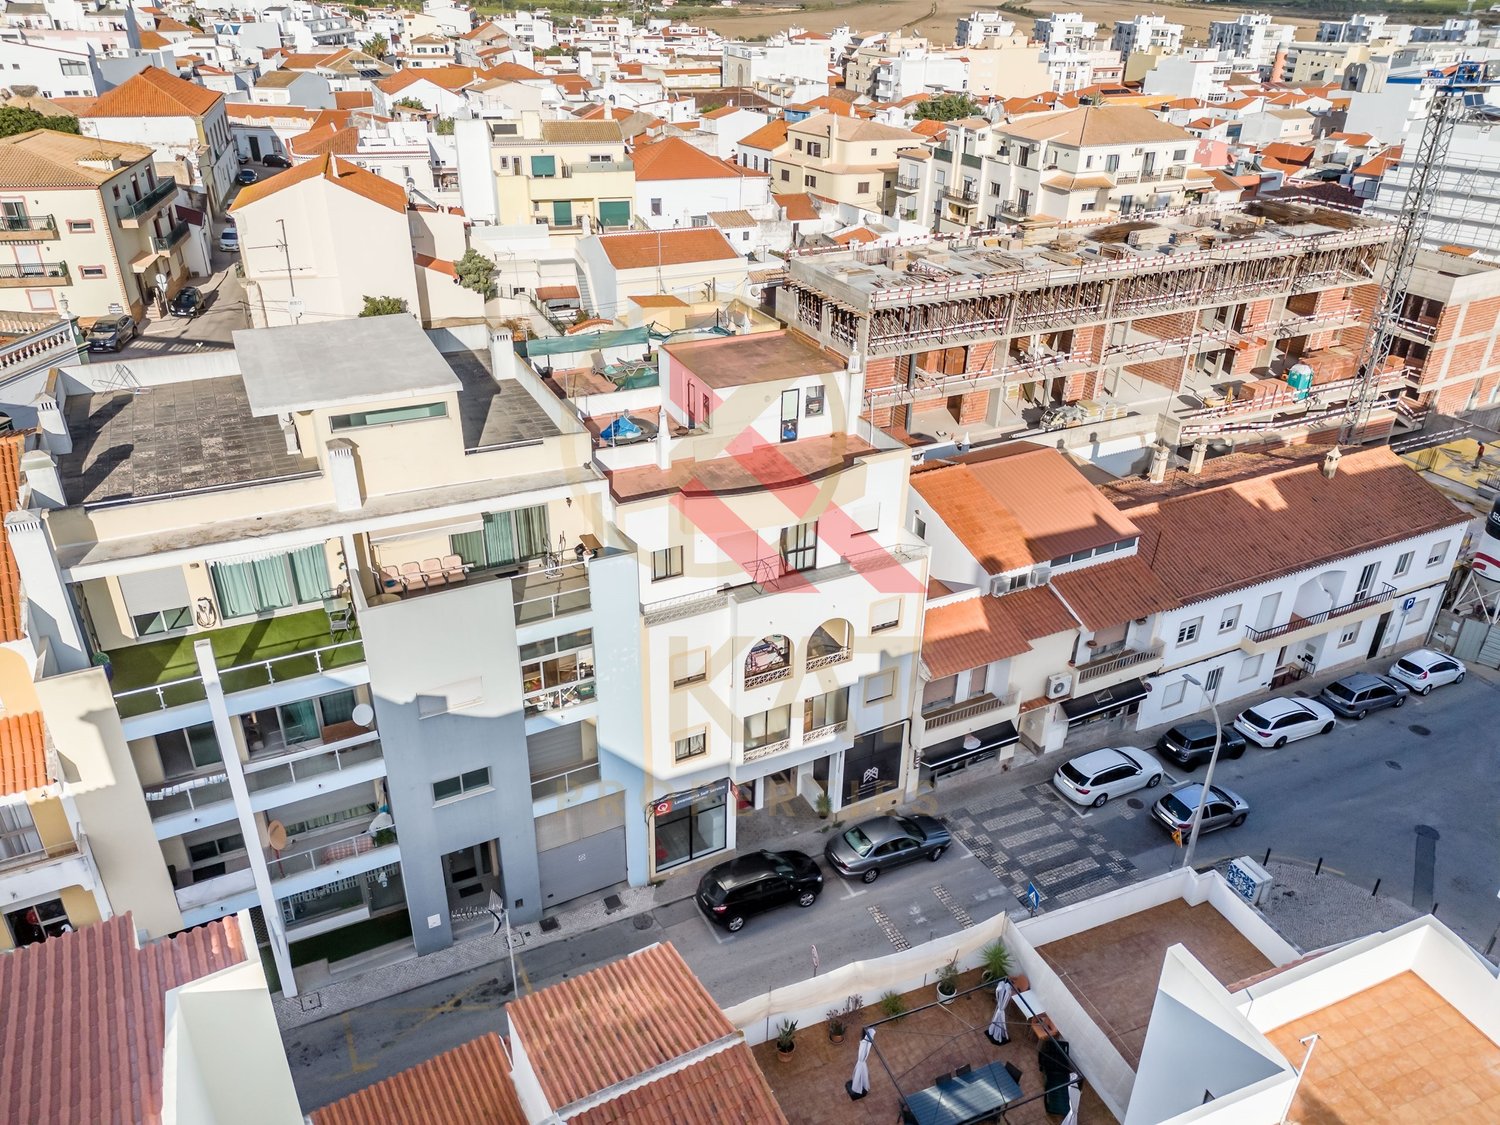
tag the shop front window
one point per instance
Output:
(690, 827)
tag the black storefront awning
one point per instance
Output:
(989, 740)
(1083, 707)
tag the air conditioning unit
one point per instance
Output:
(1041, 575)
(1059, 684)
(1250, 880)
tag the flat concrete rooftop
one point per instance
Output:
(494, 414)
(179, 437)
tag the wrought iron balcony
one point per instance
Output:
(27, 228)
(131, 211)
(1375, 597)
(15, 275)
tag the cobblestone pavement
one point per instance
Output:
(1029, 835)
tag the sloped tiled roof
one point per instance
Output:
(84, 1018)
(23, 753)
(766, 137)
(1110, 593)
(676, 159)
(43, 158)
(799, 206)
(615, 1022)
(326, 141)
(582, 132)
(1262, 515)
(727, 1088)
(968, 634)
(450, 78)
(470, 1083)
(353, 99)
(342, 173)
(1019, 505)
(1097, 125)
(645, 249)
(155, 93)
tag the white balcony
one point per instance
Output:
(303, 770)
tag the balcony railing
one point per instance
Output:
(34, 850)
(301, 761)
(185, 794)
(15, 274)
(323, 856)
(540, 598)
(754, 754)
(1096, 668)
(131, 210)
(565, 783)
(769, 675)
(586, 168)
(27, 228)
(561, 697)
(907, 183)
(171, 238)
(827, 730)
(1384, 594)
(968, 709)
(965, 194)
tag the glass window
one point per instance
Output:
(939, 693)
(506, 539)
(690, 830)
(814, 402)
(1229, 618)
(666, 563)
(789, 413)
(830, 709)
(189, 750)
(462, 785)
(882, 685)
(550, 683)
(389, 416)
(1211, 681)
(1439, 553)
(163, 621)
(1403, 564)
(768, 727)
(799, 546)
(887, 614)
(691, 746)
(1187, 632)
(259, 585)
(689, 667)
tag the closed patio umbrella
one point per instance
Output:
(859, 1085)
(1075, 1095)
(997, 1031)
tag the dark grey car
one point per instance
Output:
(871, 846)
(1356, 696)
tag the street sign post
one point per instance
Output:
(1033, 898)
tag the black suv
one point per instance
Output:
(1191, 744)
(111, 333)
(748, 884)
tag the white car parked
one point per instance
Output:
(1283, 719)
(1425, 670)
(1095, 777)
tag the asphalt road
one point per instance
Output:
(1408, 796)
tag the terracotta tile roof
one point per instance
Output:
(1019, 505)
(647, 249)
(1289, 153)
(735, 361)
(11, 624)
(249, 110)
(726, 1088)
(1097, 125)
(450, 78)
(731, 218)
(767, 137)
(338, 172)
(799, 206)
(23, 753)
(967, 634)
(469, 1084)
(1111, 593)
(326, 141)
(677, 159)
(166, 23)
(557, 292)
(614, 1023)
(43, 158)
(933, 129)
(514, 72)
(858, 234)
(722, 111)
(839, 128)
(151, 41)
(659, 301)
(103, 1062)
(1380, 163)
(1037, 613)
(353, 99)
(582, 132)
(1265, 515)
(155, 93)
(768, 467)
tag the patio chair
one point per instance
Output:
(432, 571)
(453, 568)
(412, 577)
(390, 578)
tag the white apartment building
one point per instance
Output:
(57, 70)
(1251, 37)
(974, 28)
(1195, 72)
(1466, 209)
(1068, 29)
(1072, 68)
(1148, 34)
(1363, 27)
(745, 64)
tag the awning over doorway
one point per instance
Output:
(1087, 706)
(984, 741)
(664, 805)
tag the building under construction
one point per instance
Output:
(1188, 321)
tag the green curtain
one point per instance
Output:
(499, 539)
(299, 721)
(235, 585)
(310, 572)
(337, 708)
(273, 582)
(469, 546)
(531, 531)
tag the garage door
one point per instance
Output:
(581, 849)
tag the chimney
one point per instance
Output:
(663, 441)
(43, 479)
(1197, 457)
(502, 355)
(49, 419)
(289, 432)
(343, 471)
(1159, 458)
(1331, 462)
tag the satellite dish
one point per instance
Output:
(363, 714)
(276, 835)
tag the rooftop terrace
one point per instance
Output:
(495, 415)
(180, 437)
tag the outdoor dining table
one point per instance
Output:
(976, 1096)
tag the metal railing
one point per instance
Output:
(322, 856)
(192, 686)
(1096, 668)
(171, 238)
(562, 784)
(968, 709)
(585, 168)
(549, 603)
(35, 271)
(135, 208)
(36, 851)
(186, 794)
(1384, 594)
(968, 193)
(560, 698)
(27, 224)
(905, 183)
(301, 761)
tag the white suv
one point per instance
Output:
(1283, 719)
(1425, 670)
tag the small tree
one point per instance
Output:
(18, 119)
(409, 103)
(946, 107)
(377, 47)
(476, 272)
(443, 127)
(383, 306)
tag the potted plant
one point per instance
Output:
(786, 1040)
(825, 806)
(893, 1004)
(996, 960)
(947, 978)
(837, 1024)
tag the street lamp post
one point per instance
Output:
(1208, 778)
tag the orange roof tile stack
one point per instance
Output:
(1113, 593)
(470, 1083)
(84, 1018)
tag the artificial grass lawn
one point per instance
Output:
(155, 662)
(358, 938)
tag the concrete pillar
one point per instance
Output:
(343, 471)
(40, 469)
(1198, 456)
(663, 441)
(289, 433)
(234, 771)
(856, 404)
(1160, 456)
(51, 608)
(54, 427)
(502, 355)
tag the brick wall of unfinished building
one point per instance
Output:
(1244, 361)
(1330, 302)
(886, 372)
